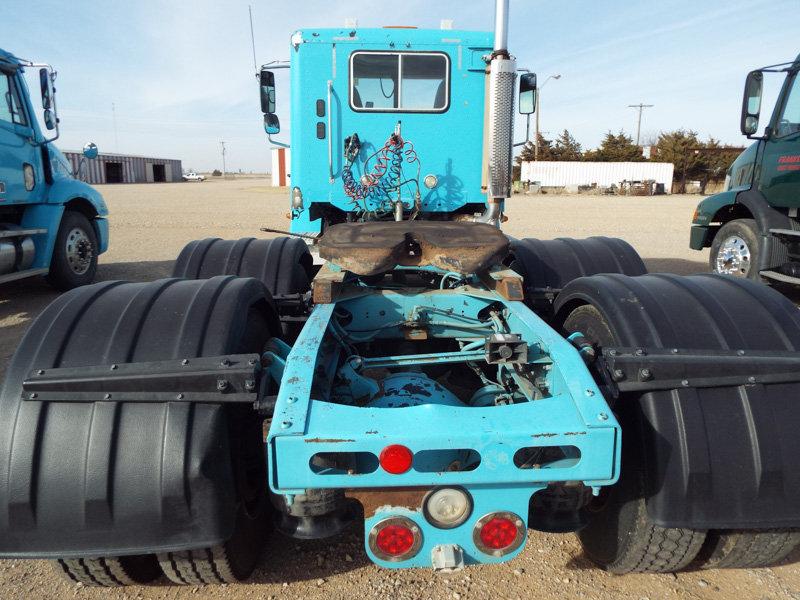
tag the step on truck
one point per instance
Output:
(439, 386)
(752, 226)
(51, 224)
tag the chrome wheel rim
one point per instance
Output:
(79, 251)
(733, 257)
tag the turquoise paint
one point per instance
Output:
(44, 204)
(574, 414)
(448, 144)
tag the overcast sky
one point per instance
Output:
(180, 74)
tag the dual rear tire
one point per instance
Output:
(621, 537)
(283, 266)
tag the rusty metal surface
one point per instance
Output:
(327, 285)
(376, 247)
(373, 499)
(505, 282)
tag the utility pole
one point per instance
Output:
(641, 107)
(253, 39)
(537, 111)
(223, 159)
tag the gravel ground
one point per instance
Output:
(149, 226)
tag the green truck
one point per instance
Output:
(752, 227)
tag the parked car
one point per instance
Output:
(192, 176)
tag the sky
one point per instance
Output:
(180, 75)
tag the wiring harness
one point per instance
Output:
(376, 194)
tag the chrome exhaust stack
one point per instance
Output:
(502, 77)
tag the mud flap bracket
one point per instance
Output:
(651, 369)
(217, 379)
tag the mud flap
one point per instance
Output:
(715, 457)
(115, 478)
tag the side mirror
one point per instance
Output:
(49, 119)
(267, 81)
(272, 124)
(90, 150)
(527, 93)
(751, 104)
(46, 86)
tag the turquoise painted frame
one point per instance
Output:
(573, 414)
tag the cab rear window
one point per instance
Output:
(399, 81)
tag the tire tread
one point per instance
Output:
(748, 549)
(105, 571)
(198, 567)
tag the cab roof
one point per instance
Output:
(397, 35)
(8, 60)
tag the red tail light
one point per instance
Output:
(395, 539)
(396, 459)
(499, 533)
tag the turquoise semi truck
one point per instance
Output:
(51, 224)
(436, 384)
(752, 227)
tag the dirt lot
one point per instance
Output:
(149, 226)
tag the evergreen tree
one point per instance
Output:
(528, 151)
(681, 148)
(567, 148)
(616, 148)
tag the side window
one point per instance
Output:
(10, 105)
(399, 82)
(16, 104)
(789, 122)
(5, 100)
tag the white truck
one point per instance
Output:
(192, 176)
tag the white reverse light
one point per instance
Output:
(430, 181)
(447, 507)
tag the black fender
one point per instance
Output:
(109, 478)
(773, 253)
(283, 264)
(547, 266)
(714, 457)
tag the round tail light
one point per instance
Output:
(395, 539)
(396, 459)
(499, 533)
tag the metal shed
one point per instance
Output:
(124, 168)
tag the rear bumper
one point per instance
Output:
(495, 485)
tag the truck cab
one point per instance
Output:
(752, 226)
(51, 224)
(355, 93)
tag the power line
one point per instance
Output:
(641, 107)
